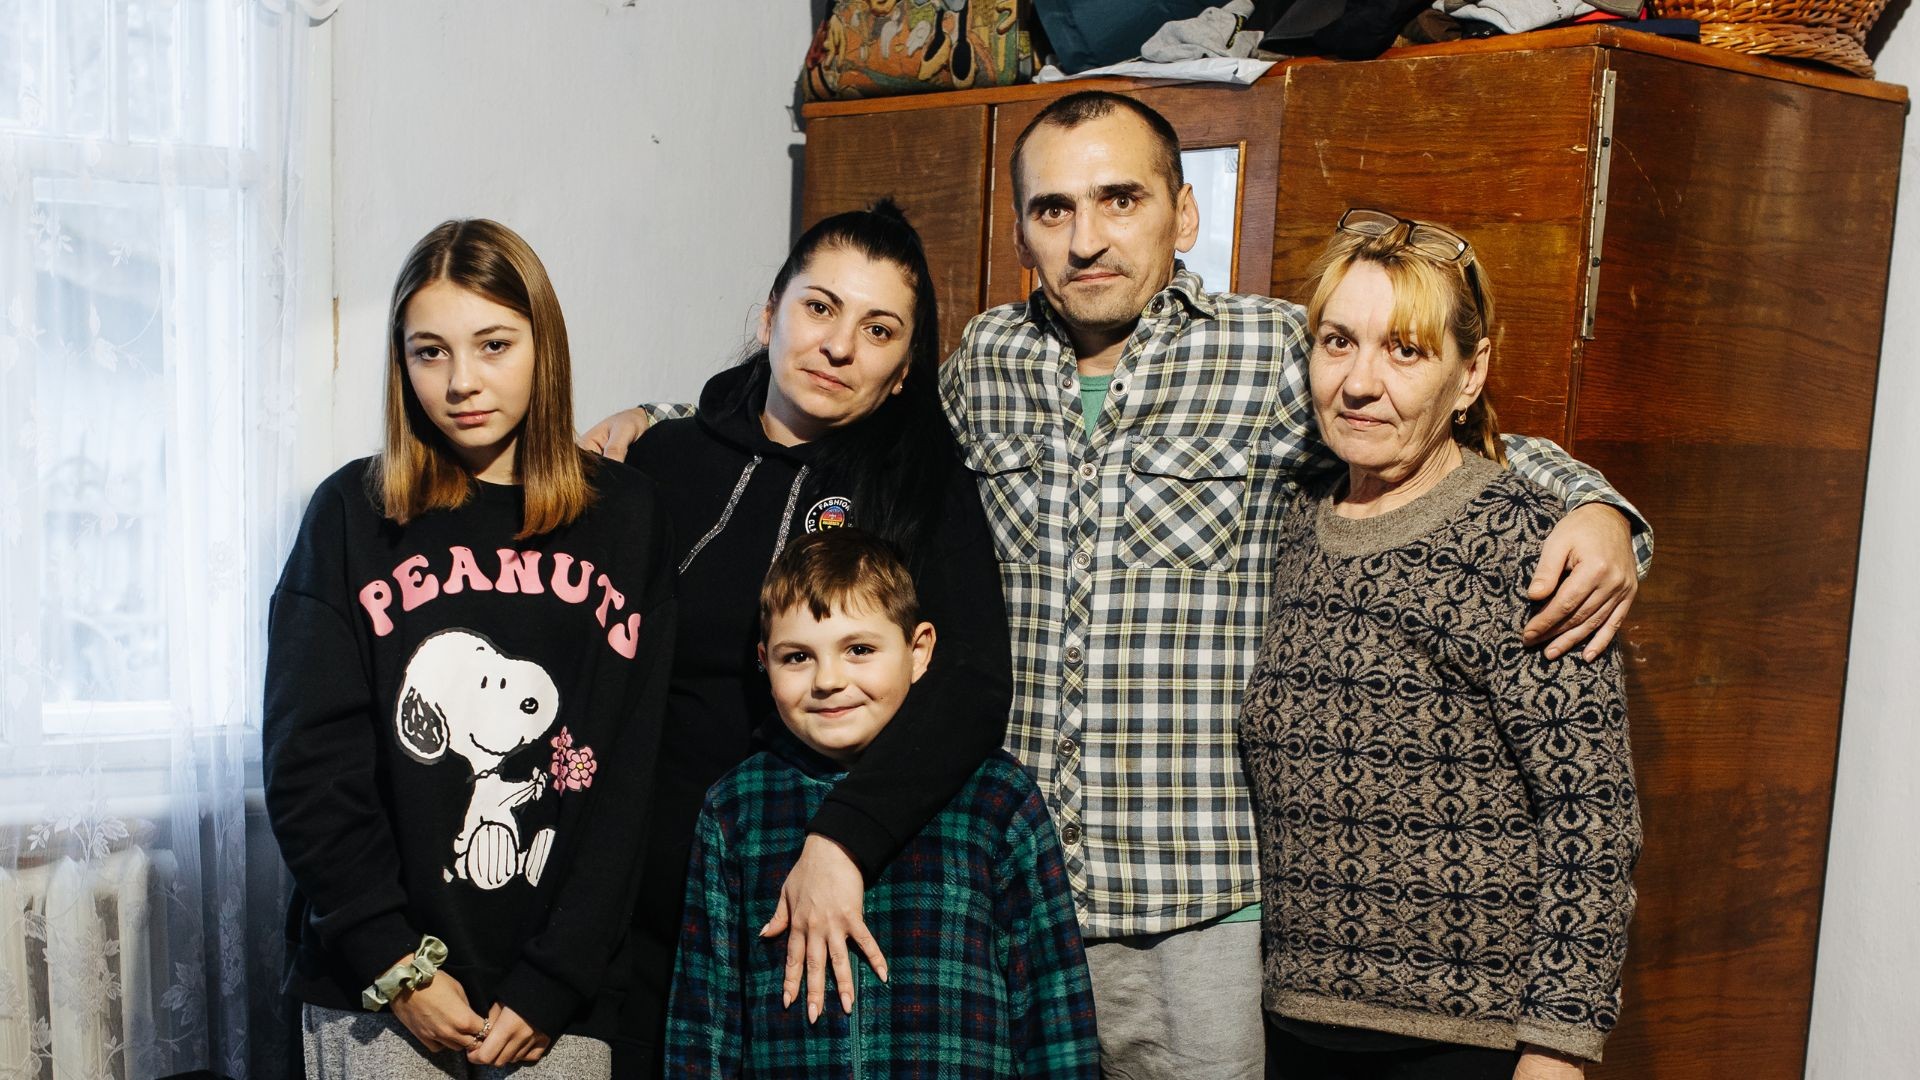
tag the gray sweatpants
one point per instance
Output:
(1183, 1005)
(344, 1045)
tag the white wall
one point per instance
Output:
(646, 152)
(1867, 984)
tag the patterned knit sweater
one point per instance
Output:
(987, 977)
(1447, 819)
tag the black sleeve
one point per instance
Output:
(320, 747)
(565, 965)
(955, 715)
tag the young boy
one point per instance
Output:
(986, 976)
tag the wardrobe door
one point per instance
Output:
(1496, 146)
(1729, 389)
(933, 162)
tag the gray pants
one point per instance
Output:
(1180, 1006)
(353, 1045)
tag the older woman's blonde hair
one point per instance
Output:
(1433, 301)
(417, 470)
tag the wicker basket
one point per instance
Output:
(1829, 31)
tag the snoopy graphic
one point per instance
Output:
(463, 695)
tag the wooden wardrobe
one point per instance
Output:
(1689, 249)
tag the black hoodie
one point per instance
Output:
(734, 496)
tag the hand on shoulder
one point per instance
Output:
(613, 436)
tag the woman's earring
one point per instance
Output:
(1460, 417)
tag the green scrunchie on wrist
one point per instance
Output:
(414, 974)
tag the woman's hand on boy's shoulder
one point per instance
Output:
(822, 906)
(613, 436)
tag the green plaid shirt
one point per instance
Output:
(987, 978)
(1137, 564)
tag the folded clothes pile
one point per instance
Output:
(1231, 41)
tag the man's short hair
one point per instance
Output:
(844, 568)
(1076, 109)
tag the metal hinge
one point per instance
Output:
(1597, 213)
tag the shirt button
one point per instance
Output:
(1117, 389)
(1067, 382)
(1087, 471)
(1082, 560)
(1069, 834)
(1066, 746)
(1073, 654)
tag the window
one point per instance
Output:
(142, 197)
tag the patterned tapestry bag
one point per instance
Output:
(878, 48)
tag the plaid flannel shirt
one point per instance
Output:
(987, 977)
(1137, 565)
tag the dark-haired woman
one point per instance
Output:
(467, 665)
(833, 420)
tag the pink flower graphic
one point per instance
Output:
(572, 769)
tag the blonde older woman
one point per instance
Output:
(1447, 817)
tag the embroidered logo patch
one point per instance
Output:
(829, 513)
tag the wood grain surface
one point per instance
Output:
(934, 165)
(1729, 391)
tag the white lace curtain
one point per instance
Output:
(148, 283)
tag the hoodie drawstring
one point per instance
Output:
(786, 519)
(733, 500)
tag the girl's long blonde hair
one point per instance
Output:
(417, 470)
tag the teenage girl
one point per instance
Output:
(467, 662)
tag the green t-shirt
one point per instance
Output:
(1093, 398)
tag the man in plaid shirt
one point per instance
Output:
(1136, 439)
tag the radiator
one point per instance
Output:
(77, 942)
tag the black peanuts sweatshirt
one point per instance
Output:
(733, 510)
(460, 737)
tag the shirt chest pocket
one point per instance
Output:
(1008, 467)
(1186, 500)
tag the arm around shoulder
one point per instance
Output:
(1578, 484)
